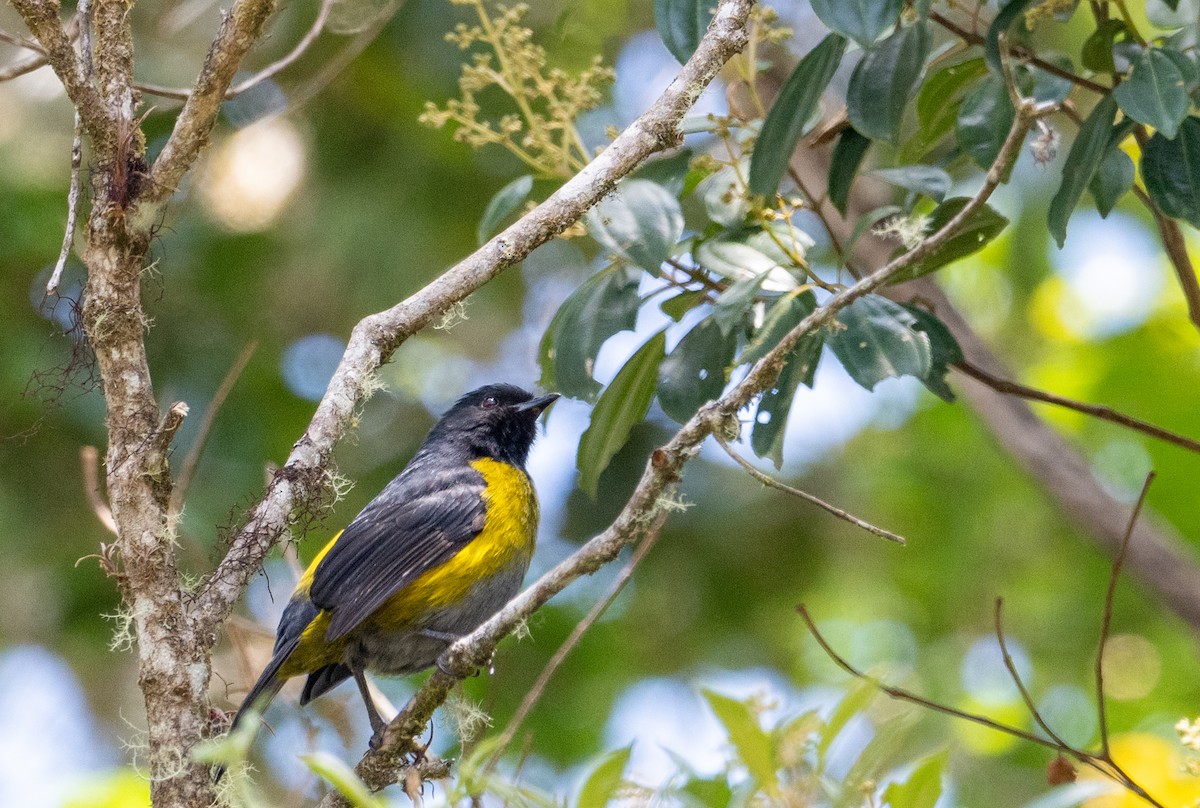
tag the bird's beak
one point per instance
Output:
(537, 405)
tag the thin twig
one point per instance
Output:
(1016, 677)
(22, 66)
(68, 241)
(89, 461)
(1100, 411)
(598, 609)
(190, 461)
(310, 36)
(1051, 68)
(1105, 623)
(771, 482)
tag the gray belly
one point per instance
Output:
(407, 650)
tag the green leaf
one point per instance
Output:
(623, 404)
(848, 155)
(1171, 171)
(984, 120)
(1097, 53)
(944, 348)
(694, 372)
(931, 181)
(879, 340)
(922, 788)
(725, 200)
(1156, 91)
(797, 101)
(669, 172)
(1000, 25)
(860, 20)
(506, 200)
(938, 103)
(753, 745)
(737, 262)
(770, 420)
(682, 303)
(883, 81)
(601, 786)
(1083, 160)
(682, 23)
(732, 304)
(1113, 180)
(606, 303)
(1047, 87)
(975, 233)
(641, 221)
(343, 778)
(854, 702)
(784, 315)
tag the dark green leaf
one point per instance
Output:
(931, 181)
(669, 172)
(1113, 180)
(1047, 87)
(682, 303)
(694, 372)
(984, 121)
(738, 262)
(753, 745)
(1171, 171)
(506, 200)
(623, 404)
(880, 340)
(1000, 25)
(793, 108)
(682, 23)
(938, 103)
(734, 302)
(1097, 52)
(770, 421)
(848, 155)
(1155, 92)
(922, 788)
(883, 81)
(600, 788)
(944, 348)
(1081, 164)
(860, 20)
(605, 304)
(640, 221)
(785, 314)
(975, 233)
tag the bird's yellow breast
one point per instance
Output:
(507, 539)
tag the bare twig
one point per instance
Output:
(84, 15)
(240, 29)
(771, 482)
(89, 461)
(310, 36)
(975, 39)
(615, 588)
(1101, 711)
(1100, 411)
(1016, 677)
(20, 67)
(187, 470)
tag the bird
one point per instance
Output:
(440, 550)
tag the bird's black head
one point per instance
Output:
(497, 421)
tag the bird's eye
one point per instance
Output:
(488, 403)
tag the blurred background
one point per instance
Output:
(323, 200)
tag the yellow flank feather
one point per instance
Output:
(507, 538)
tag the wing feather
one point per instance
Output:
(421, 520)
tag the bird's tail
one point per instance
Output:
(268, 684)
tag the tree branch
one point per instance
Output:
(299, 483)
(240, 29)
(379, 767)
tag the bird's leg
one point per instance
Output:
(378, 725)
